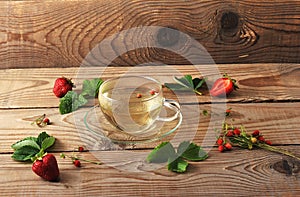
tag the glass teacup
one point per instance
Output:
(134, 103)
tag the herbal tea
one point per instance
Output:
(132, 109)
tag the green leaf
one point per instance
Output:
(161, 153)
(186, 83)
(48, 142)
(25, 142)
(25, 153)
(177, 165)
(90, 88)
(42, 136)
(191, 152)
(71, 102)
(28, 141)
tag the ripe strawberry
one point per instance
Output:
(255, 133)
(62, 86)
(236, 131)
(261, 138)
(229, 133)
(80, 149)
(223, 86)
(228, 146)
(221, 148)
(220, 141)
(46, 168)
(46, 121)
(268, 142)
(77, 163)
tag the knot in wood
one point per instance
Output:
(287, 167)
(229, 21)
(167, 37)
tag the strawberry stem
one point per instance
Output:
(86, 160)
(277, 150)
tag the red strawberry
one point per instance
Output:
(236, 131)
(220, 141)
(229, 133)
(77, 163)
(228, 146)
(255, 133)
(221, 148)
(261, 138)
(223, 86)
(46, 168)
(268, 142)
(62, 86)
(46, 121)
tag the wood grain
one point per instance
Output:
(62, 33)
(277, 121)
(23, 88)
(245, 169)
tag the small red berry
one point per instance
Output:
(138, 95)
(229, 133)
(228, 146)
(268, 142)
(46, 121)
(236, 131)
(221, 148)
(80, 149)
(77, 163)
(220, 141)
(152, 92)
(255, 133)
(261, 138)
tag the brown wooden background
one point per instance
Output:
(61, 33)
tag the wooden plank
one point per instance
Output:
(26, 88)
(279, 122)
(62, 33)
(232, 173)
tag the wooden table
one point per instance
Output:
(268, 100)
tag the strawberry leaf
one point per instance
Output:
(191, 152)
(177, 165)
(186, 83)
(161, 153)
(42, 136)
(25, 142)
(90, 88)
(71, 102)
(25, 153)
(48, 142)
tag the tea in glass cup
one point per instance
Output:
(133, 103)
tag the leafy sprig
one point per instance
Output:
(177, 161)
(240, 138)
(31, 148)
(186, 83)
(72, 100)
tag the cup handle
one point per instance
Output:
(172, 105)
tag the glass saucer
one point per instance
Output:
(96, 123)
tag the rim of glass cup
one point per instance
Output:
(158, 92)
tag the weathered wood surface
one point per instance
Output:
(268, 100)
(27, 88)
(273, 119)
(236, 173)
(61, 33)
